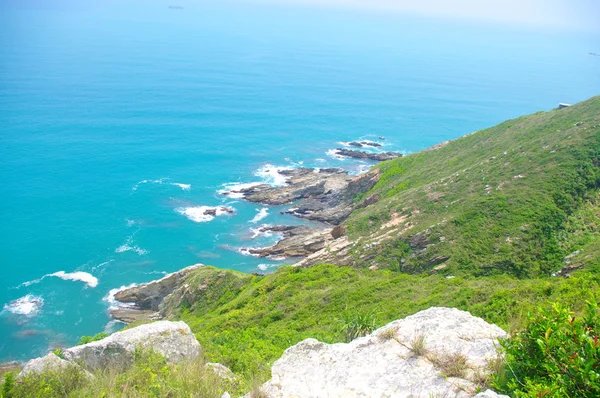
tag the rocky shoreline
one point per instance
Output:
(326, 195)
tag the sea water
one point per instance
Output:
(121, 122)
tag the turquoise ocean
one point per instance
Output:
(120, 120)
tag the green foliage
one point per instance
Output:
(557, 354)
(89, 339)
(8, 385)
(512, 199)
(269, 314)
(356, 325)
(149, 376)
(59, 353)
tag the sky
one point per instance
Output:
(567, 14)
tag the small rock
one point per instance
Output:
(50, 362)
(221, 371)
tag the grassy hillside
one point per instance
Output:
(516, 198)
(271, 313)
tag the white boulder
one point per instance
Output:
(50, 362)
(174, 340)
(388, 362)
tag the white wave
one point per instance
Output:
(258, 231)
(159, 181)
(112, 326)
(125, 248)
(26, 305)
(102, 264)
(185, 187)
(262, 213)
(271, 174)
(28, 283)
(89, 279)
(321, 160)
(130, 223)
(233, 189)
(129, 246)
(333, 153)
(112, 301)
(204, 213)
(263, 267)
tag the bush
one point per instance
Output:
(357, 325)
(557, 354)
(89, 339)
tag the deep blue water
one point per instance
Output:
(96, 99)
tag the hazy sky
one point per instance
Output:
(578, 14)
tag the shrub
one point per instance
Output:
(89, 339)
(357, 325)
(556, 354)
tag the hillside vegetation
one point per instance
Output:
(502, 223)
(512, 199)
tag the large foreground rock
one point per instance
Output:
(50, 362)
(174, 340)
(386, 364)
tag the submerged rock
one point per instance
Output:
(388, 363)
(173, 340)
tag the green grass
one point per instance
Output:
(270, 314)
(515, 198)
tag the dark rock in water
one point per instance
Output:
(360, 144)
(378, 157)
(298, 241)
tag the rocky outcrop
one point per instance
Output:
(50, 362)
(298, 241)
(406, 358)
(335, 206)
(375, 156)
(325, 195)
(360, 144)
(173, 340)
(145, 300)
(302, 183)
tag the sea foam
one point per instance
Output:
(262, 213)
(203, 213)
(85, 277)
(271, 174)
(26, 305)
(112, 301)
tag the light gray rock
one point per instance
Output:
(490, 394)
(221, 371)
(174, 340)
(50, 362)
(384, 364)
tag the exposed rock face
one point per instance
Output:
(325, 195)
(383, 364)
(174, 340)
(147, 298)
(48, 363)
(335, 206)
(378, 157)
(298, 241)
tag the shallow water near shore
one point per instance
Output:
(121, 124)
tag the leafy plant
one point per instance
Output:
(89, 339)
(356, 325)
(556, 354)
